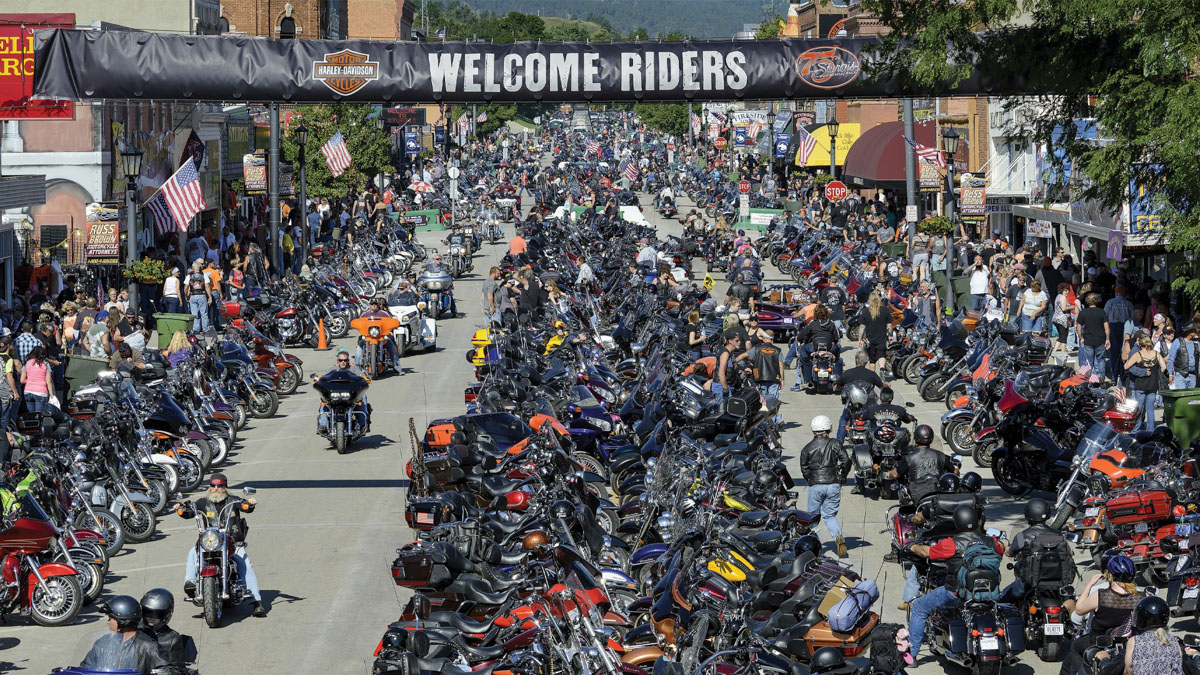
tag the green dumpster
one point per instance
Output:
(962, 291)
(895, 250)
(1181, 412)
(82, 371)
(167, 324)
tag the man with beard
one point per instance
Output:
(211, 506)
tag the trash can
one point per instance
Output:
(82, 371)
(1181, 412)
(895, 250)
(169, 323)
(962, 291)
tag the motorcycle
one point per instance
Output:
(49, 592)
(416, 330)
(438, 290)
(219, 586)
(343, 417)
(374, 333)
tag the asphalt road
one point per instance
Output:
(326, 527)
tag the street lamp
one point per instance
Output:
(305, 235)
(833, 132)
(131, 165)
(950, 147)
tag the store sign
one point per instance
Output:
(1143, 209)
(398, 117)
(103, 245)
(972, 201)
(1039, 228)
(16, 67)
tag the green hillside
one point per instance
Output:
(699, 18)
(555, 21)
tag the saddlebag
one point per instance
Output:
(847, 613)
(1139, 506)
(414, 569)
(231, 309)
(427, 514)
(850, 643)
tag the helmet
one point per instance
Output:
(534, 540)
(886, 395)
(157, 606)
(1121, 568)
(857, 394)
(1036, 511)
(808, 542)
(562, 509)
(923, 434)
(826, 659)
(1151, 612)
(766, 482)
(885, 433)
(948, 482)
(970, 482)
(124, 609)
(395, 640)
(966, 519)
(821, 424)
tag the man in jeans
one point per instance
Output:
(1092, 334)
(1118, 310)
(764, 358)
(981, 279)
(825, 463)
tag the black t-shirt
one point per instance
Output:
(1092, 321)
(860, 374)
(834, 298)
(889, 412)
(875, 329)
(862, 230)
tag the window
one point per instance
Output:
(223, 25)
(287, 28)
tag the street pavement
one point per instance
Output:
(327, 526)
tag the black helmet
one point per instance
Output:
(1151, 612)
(562, 509)
(886, 395)
(923, 435)
(948, 482)
(766, 482)
(966, 519)
(970, 482)
(1036, 511)
(826, 659)
(157, 605)
(395, 640)
(808, 542)
(124, 609)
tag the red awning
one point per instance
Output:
(876, 160)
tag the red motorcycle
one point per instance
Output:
(48, 592)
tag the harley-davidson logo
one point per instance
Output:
(346, 71)
(827, 67)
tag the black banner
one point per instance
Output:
(73, 64)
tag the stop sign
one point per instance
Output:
(670, 147)
(719, 141)
(743, 186)
(836, 191)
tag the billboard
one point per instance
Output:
(16, 67)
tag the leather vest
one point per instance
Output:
(924, 467)
(961, 541)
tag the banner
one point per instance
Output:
(17, 67)
(782, 141)
(103, 245)
(748, 117)
(931, 180)
(254, 174)
(80, 65)
(972, 201)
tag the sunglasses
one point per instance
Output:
(217, 484)
(343, 360)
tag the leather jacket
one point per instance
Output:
(961, 541)
(112, 652)
(924, 466)
(172, 646)
(824, 460)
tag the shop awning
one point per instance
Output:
(848, 133)
(1089, 230)
(18, 192)
(876, 160)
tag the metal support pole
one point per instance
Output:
(305, 235)
(131, 247)
(833, 157)
(950, 254)
(273, 170)
(691, 132)
(910, 162)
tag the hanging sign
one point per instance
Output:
(103, 245)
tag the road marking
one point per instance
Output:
(152, 567)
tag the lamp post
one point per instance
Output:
(833, 132)
(131, 165)
(305, 235)
(950, 147)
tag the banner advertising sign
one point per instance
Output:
(782, 119)
(739, 137)
(254, 174)
(412, 143)
(931, 180)
(103, 245)
(748, 117)
(287, 179)
(1039, 228)
(16, 67)
(781, 145)
(972, 201)
(88, 64)
(398, 117)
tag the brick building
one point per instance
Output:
(319, 19)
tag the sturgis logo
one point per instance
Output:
(346, 71)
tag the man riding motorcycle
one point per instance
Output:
(858, 386)
(821, 333)
(342, 362)
(437, 265)
(124, 647)
(1035, 537)
(158, 605)
(922, 468)
(211, 505)
(377, 308)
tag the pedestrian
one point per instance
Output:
(1145, 367)
(1118, 310)
(214, 280)
(199, 297)
(10, 395)
(980, 280)
(1093, 333)
(1184, 358)
(764, 361)
(37, 381)
(825, 464)
(1032, 308)
(171, 293)
(1063, 317)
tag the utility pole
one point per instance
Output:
(273, 170)
(910, 162)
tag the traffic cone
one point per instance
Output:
(322, 345)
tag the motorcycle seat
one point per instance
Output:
(730, 450)
(764, 541)
(478, 591)
(481, 653)
(798, 567)
(753, 519)
(460, 621)
(721, 440)
(495, 486)
(773, 624)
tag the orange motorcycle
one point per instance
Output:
(374, 335)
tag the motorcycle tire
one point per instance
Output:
(910, 369)
(109, 527)
(220, 445)
(289, 381)
(157, 490)
(1062, 517)
(608, 521)
(1006, 480)
(931, 389)
(97, 552)
(172, 478)
(210, 590)
(56, 601)
(959, 437)
(1050, 652)
(590, 463)
(90, 573)
(854, 332)
(986, 668)
(340, 442)
(886, 491)
(953, 392)
(614, 558)
(982, 454)
(401, 350)
(191, 474)
(264, 404)
(337, 325)
(797, 273)
(698, 624)
(201, 450)
(139, 522)
(240, 416)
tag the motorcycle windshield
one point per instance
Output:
(168, 414)
(503, 428)
(582, 397)
(1099, 438)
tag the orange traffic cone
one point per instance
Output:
(322, 345)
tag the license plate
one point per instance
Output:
(1092, 512)
(1192, 593)
(1053, 629)
(823, 373)
(989, 644)
(887, 452)
(1141, 527)
(1183, 529)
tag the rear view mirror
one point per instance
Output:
(248, 491)
(993, 532)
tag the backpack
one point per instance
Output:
(1047, 562)
(885, 656)
(979, 574)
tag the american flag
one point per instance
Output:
(808, 143)
(482, 118)
(931, 155)
(718, 116)
(163, 222)
(593, 147)
(631, 171)
(337, 156)
(183, 194)
(696, 124)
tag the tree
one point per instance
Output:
(369, 149)
(568, 32)
(770, 28)
(1128, 68)
(671, 118)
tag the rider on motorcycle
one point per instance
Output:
(1034, 539)
(856, 387)
(158, 604)
(922, 468)
(343, 362)
(437, 265)
(124, 647)
(211, 505)
(389, 345)
(823, 332)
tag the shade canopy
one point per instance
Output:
(848, 133)
(877, 159)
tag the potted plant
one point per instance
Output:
(822, 179)
(936, 226)
(146, 271)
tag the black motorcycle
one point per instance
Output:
(344, 417)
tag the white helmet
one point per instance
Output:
(821, 423)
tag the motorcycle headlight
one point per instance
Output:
(605, 395)
(407, 316)
(373, 331)
(339, 396)
(600, 423)
(210, 541)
